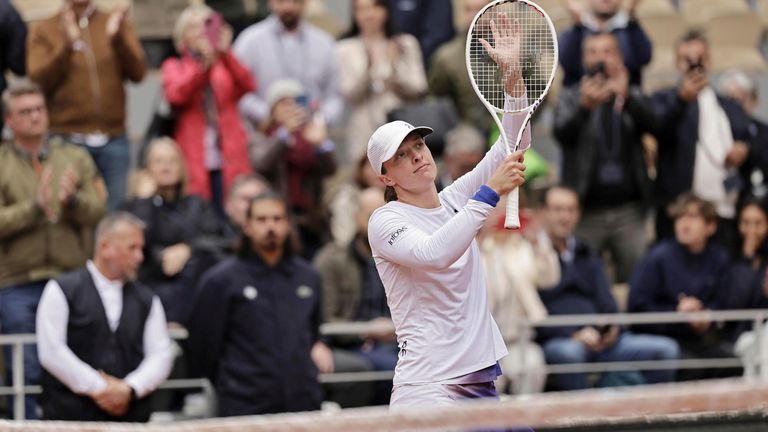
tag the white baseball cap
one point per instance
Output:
(386, 140)
(283, 88)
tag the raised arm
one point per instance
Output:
(457, 194)
(505, 51)
(394, 237)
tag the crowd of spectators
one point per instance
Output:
(247, 226)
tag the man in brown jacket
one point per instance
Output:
(81, 57)
(48, 199)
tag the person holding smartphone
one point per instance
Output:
(703, 140)
(204, 86)
(293, 151)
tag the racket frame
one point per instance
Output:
(512, 218)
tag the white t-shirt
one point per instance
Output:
(431, 268)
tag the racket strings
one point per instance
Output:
(536, 51)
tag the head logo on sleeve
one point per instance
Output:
(395, 235)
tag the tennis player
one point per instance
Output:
(426, 254)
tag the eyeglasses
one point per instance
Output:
(27, 112)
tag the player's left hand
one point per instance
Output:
(506, 52)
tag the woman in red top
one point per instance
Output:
(204, 86)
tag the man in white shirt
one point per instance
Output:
(285, 46)
(429, 262)
(102, 337)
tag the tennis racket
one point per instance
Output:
(512, 48)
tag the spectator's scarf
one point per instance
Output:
(715, 141)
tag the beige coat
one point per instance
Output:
(514, 270)
(370, 93)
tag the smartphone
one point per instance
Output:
(695, 65)
(213, 25)
(302, 101)
(597, 69)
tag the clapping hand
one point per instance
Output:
(68, 24)
(67, 186)
(115, 20)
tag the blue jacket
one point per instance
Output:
(634, 43)
(583, 289)
(669, 270)
(252, 331)
(677, 133)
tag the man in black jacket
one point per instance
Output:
(703, 140)
(599, 125)
(255, 329)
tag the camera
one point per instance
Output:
(695, 65)
(597, 69)
(302, 101)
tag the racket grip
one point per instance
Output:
(512, 219)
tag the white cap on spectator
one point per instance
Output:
(386, 140)
(283, 88)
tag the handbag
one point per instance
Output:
(439, 113)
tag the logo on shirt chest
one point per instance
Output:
(304, 292)
(395, 235)
(250, 292)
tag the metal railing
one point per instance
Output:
(757, 369)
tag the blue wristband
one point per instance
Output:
(486, 195)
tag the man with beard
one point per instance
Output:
(255, 330)
(102, 338)
(285, 46)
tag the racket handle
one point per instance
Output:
(512, 219)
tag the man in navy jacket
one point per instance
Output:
(584, 289)
(683, 152)
(686, 274)
(254, 330)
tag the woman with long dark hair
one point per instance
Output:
(749, 258)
